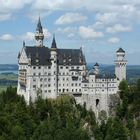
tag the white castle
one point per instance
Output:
(51, 72)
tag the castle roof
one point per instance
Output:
(96, 64)
(54, 46)
(42, 56)
(38, 55)
(106, 76)
(121, 50)
(85, 81)
(39, 26)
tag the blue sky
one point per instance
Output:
(100, 27)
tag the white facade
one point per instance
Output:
(52, 72)
(120, 68)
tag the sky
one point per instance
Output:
(100, 27)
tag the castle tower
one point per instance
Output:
(39, 36)
(120, 65)
(54, 69)
(96, 68)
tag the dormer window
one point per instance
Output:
(37, 60)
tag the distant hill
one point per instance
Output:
(8, 67)
(133, 71)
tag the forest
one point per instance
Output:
(63, 119)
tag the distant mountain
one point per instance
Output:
(133, 71)
(8, 67)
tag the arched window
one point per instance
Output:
(97, 102)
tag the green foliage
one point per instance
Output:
(63, 119)
(59, 119)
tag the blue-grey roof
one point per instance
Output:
(38, 55)
(39, 26)
(41, 56)
(85, 80)
(54, 43)
(96, 64)
(120, 50)
(106, 76)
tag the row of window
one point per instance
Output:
(105, 80)
(99, 90)
(67, 90)
(105, 90)
(73, 84)
(49, 73)
(98, 85)
(61, 67)
(49, 85)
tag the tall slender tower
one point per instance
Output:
(120, 65)
(39, 36)
(54, 72)
(96, 68)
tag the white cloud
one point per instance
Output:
(67, 30)
(89, 33)
(71, 35)
(106, 18)
(113, 40)
(5, 16)
(69, 18)
(9, 7)
(46, 32)
(119, 28)
(6, 37)
(28, 36)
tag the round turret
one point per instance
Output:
(120, 68)
(120, 54)
(96, 68)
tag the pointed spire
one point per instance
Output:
(54, 42)
(39, 36)
(23, 43)
(39, 26)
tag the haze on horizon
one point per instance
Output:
(99, 27)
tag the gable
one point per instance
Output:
(23, 57)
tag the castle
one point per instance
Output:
(50, 72)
